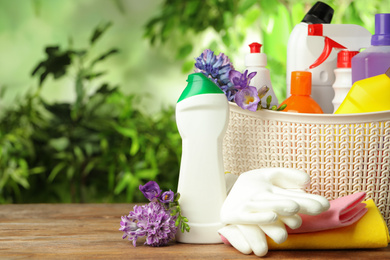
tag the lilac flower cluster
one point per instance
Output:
(151, 220)
(216, 68)
(158, 220)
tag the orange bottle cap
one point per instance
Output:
(301, 83)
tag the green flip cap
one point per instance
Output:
(199, 84)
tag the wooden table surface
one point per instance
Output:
(89, 231)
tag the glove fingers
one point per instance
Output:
(248, 217)
(293, 222)
(277, 231)
(236, 238)
(287, 178)
(309, 204)
(255, 238)
(281, 205)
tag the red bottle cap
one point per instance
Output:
(255, 47)
(301, 83)
(344, 58)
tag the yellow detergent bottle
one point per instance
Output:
(368, 95)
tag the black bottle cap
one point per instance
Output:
(319, 13)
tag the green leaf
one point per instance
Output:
(226, 39)
(191, 7)
(149, 174)
(187, 66)
(3, 89)
(120, 6)
(17, 176)
(70, 172)
(269, 99)
(37, 170)
(173, 212)
(104, 56)
(56, 170)
(244, 5)
(60, 144)
(89, 168)
(167, 28)
(251, 16)
(99, 31)
(184, 51)
(123, 183)
(78, 154)
(56, 64)
(131, 133)
(177, 197)
(94, 75)
(282, 107)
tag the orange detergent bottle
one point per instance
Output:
(300, 100)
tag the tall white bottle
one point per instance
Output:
(343, 74)
(302, 50)
(202, 116)
(256, 61)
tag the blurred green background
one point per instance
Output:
(88, 88)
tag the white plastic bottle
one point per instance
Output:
(343, 74)
(256, 61)
(303, 50)
(202, 116)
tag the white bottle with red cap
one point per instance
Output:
(256, 61)
(343, 77)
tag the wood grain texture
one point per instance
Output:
(90, 231)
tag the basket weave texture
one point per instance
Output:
(343, 154)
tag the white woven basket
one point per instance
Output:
(343, 154)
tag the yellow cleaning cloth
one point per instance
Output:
(369, 232)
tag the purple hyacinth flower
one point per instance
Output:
(151, 190)
(247, 98)
(167, 196)
(216, 68)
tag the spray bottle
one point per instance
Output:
(303, 50)
(256, 61)
(375, 59)
(336, 36)
(202, 117)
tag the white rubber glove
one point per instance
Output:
(260, 196)
(261, 202)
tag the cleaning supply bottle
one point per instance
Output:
(368, 95)
(375, 59)
(202, 117)
(336, 36)
(300, 100)
(256, 61)
(343, 74)
(303, 50)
